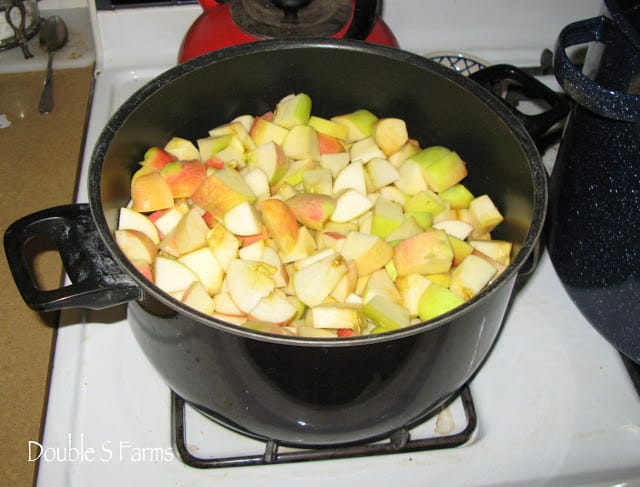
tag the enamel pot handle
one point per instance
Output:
(598, 99)
(97, 281)
(536, 125)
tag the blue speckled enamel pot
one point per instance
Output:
(594, 212)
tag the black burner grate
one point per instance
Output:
(399, 441)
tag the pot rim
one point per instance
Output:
(524, 140)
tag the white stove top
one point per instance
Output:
(555, 405)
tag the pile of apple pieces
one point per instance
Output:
(294, 224)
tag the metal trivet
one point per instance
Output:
(399, 441)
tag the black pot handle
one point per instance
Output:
(97, 281)
(536, 125)
(602, 101)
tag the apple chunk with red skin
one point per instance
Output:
(184, 177)
(312, 210)
(426, 253)
(221, 191)
(136, 245)
(157, 158)
(129, 219)
(281, 223)
(150, 192)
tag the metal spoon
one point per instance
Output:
(53, 36)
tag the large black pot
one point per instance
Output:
(299, 390)
(595, 184)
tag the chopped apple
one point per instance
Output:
(312, 210)
(205, 265)
(210, 146)
(191, 232)
(386, 313)
(223, 304)
(335, 162)
(263, 131)
(143, 268)
(336, 316)
(281, 223)
(136, 245)
(171, 275)
(223, 244)
(196, 297)
(410, 180)
(302, 143)
(150, 192)
(328, 127)
(313, 283)
(390, 134)
(184, 177)
(437, 300)
(167, 220)
(273, 308)
(426, 253)
(408, 228)
(182, 149)
(461, 249)
(381, 173)
(456, 228)
(221, 191)
(380, 283)
(369, 252)
(270, 256)
(350, 205)
(485, 214)
(458, 196)
(248, 282)
(271, 159)
(410, 148)
(347, 285)
(425, 201)
(304, 246)
(258, 182)
(498, 250)
(444, 278)
(358, 124)
(243, 220)
(156, 158)
(314, 257)
(295, 170)
(333, 240)
(293, 110)
(129, 219)
(445, 172)
(329, 145)
(471, 276)
(364, 150)
(311, 332)
(387, 216)
(411, 287)
(318, 181)
(351, 176)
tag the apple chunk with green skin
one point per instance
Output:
(358, 124)
(387, 216)
(221, 191)
(437, 300)
(369, 252)
(263, 131)
(445, 172)
(183, 149)
(328, 127)
(156, 158)
(411, 287)
(248, 282)
(271, 159)
(426, 253)
(312, 210)
(184, 177)
(292, 110)
(485, 215)
(385, 313)
(129, 219)
(281, 223)
(313, 284)
(150, 192)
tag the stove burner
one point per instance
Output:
(399, 441)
